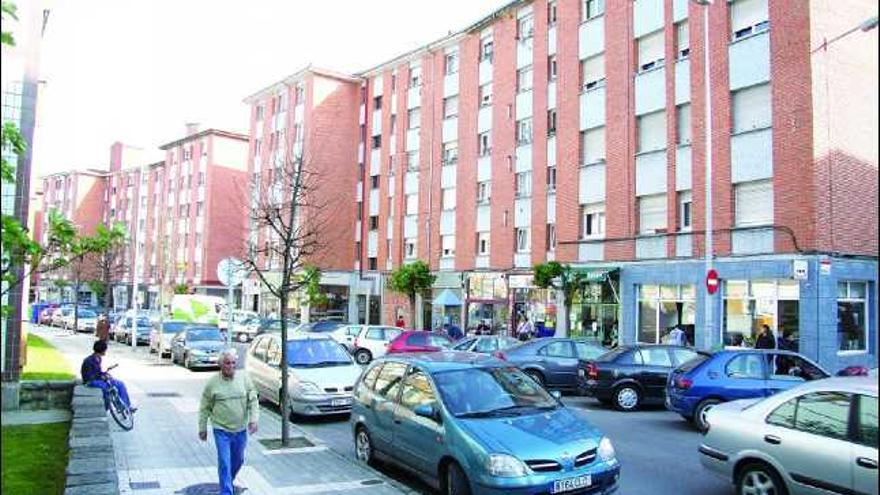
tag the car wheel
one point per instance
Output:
(757, 478)
(363, 446)
(627, 398)
(456, 481)
(701, 411)
(187, 363)
(363, 356)
(537, 376)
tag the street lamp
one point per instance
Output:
(707, 236)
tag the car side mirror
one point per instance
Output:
(556, 394)
(427, 411)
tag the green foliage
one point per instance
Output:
(411, 279)
(34, 458)
(7, 9)
(98, 287)
(546, 272)
(45, 362)
(558, 276)
(181, 289)
(310, 280)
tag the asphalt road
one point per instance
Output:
(656, 448)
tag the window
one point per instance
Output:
(867, 428)
(415, 76)
(391, 168)
(417, 391)
(374, 182)
(482, 243)
(652, 214)
(651, 131)
(299, 94)
(389, 380)
(683, 124)
(685, 210)
(484, 142)
(374, 222)
(409, 248)
(751, 108)
(592, 8)
(524, 131)
(851, 316)
(450, 107)
(592, 221)
(414, 118)
(524, 79)
(448, 199)
(551, 13)
(447, 246)
(451, 63)
(650, 51)
(486, 49)
(412, 160)
(372, 264)
(552, 68)
(551, 237)
(655, 356)
(749, 305)
(551, 122)
(260, 111)
(523, 184)
(558, 349)
(377, 141)
(525, 28)
(682, 40)
(748, 17)
(200, 209)
(754, 203)
(551, 179)
(377, 103)
(486, 94)
(483, 191)
(824, 414)
(450, 152)
(593, 72)
(523, 240)
(748, 366)
(593, 146)
(412, 204)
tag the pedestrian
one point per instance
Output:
(524, 332)
(102, 328)
(453, 331)
(400, 323)
(230, 401)
(765, 339)
(677, 336)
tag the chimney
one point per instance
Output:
(192, 128)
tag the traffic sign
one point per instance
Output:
(712, 282)
(231, 272)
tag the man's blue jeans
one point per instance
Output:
(123, 392)
(230, 456)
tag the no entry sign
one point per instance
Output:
(712, 282)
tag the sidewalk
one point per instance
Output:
(163, 454)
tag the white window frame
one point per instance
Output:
(447, 246)
(650, 207)
(484, 143)
(743, 23)
(415, 76)
(683, 129)
(864, 300)
(592, 72)
(414, 118)
(593, 214)
(682, 40)
(551, 237)
(448, 199)
(551, 179)
(450, 107)
(590, 9)
(486, 94)
(745, 193)
(525, 28)
(522, 238)
(409, 248)
(646, 62)
(484, 192)
(523, 131)
(483, 243)
(525, 79)
(450, 63)
(487, 49)
(523, 184)
(685, 211)
(450, 153)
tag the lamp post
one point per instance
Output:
(709, 308)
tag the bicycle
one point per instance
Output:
(120, 412)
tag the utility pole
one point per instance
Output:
(136, 277)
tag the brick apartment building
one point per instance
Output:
(183, 214)
(574, 131)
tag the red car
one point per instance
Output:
(419, 341)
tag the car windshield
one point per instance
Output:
(199, 334)
(86, 313)
(316, 353)
(485, 392)
(172, 326)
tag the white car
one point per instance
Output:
(321, 373)
(816, 438)
(86, 321)
(372, 341)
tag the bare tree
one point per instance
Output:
(286, 208)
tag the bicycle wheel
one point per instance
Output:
(120, 412)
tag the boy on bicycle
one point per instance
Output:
(92, 375)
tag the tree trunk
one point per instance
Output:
(285, 400)
(562, 321)
(412, 311)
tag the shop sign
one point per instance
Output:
(335, 278)
(521, 281)
(486, 286)
(450, 280)
(825, 267)
(799, 269)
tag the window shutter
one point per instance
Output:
(650, 48)
(593, 145)
(752, 108)
(683, 133)
(652, 213)
(746, 13)
(652, 131)
(449, 198)
(754, 203)
(594, 71)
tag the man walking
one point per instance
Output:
(230, 402)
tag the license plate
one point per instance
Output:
(340, 402)
(212, 359)
(575, 483)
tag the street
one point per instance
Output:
(657, 449)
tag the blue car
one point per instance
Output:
(707, 380)
(471, 423)
(553, 362)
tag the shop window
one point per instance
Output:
(749, 305)
(662, 309)
(852, 331)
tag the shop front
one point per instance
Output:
(445, 304)
(486, 305)
(534, 303)
(595, 311)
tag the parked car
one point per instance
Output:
(246, 328)
(274, 325)
(323, 326)
(122, 329)
(485, 344)
(60, 315)
(419, 341)
(552, 362)
(631, 376)
(45, 316)
(373, 342)
(702, 383)
(161, 335)
(346, 334)
(321, 373)
(197, 346)
(501, 432)
(86, 320)
(819, 437)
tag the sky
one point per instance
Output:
(137, 71)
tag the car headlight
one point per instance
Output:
(308, 388)
(197, 352)
(504, 465)
(606, 450)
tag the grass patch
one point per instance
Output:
(34, 458)
(44, 362)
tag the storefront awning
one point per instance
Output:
(596, 273)
(446, 298)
